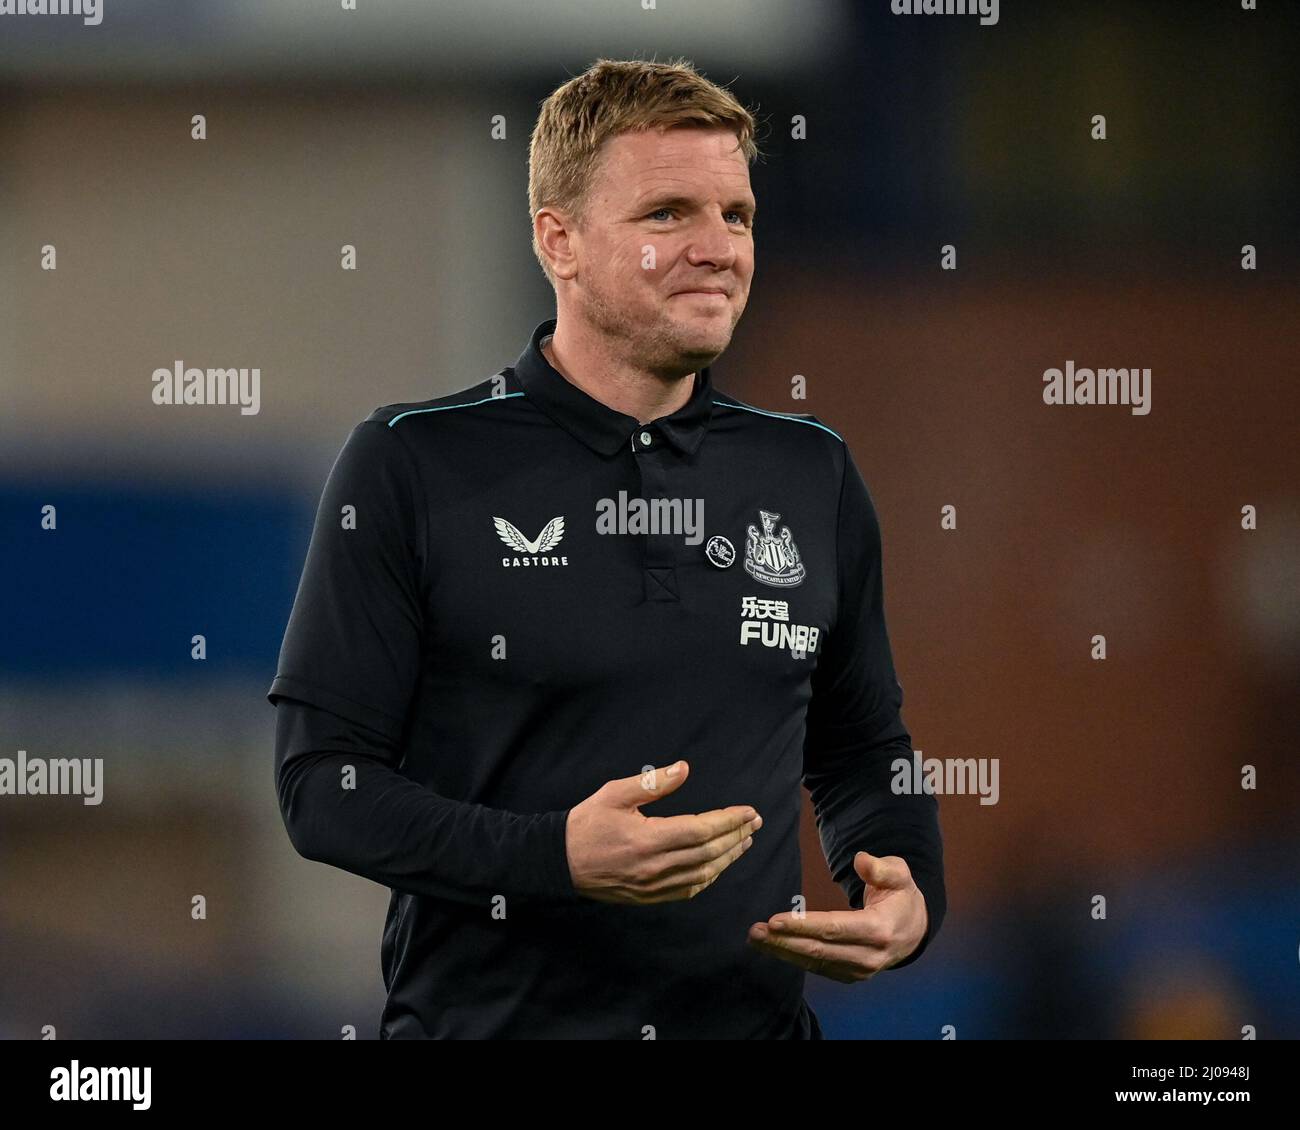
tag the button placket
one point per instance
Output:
(659, 562)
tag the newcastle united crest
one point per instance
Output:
(770, 557)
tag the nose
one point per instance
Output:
(712, 243)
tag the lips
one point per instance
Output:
(721, 293)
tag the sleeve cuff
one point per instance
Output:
(556, 875)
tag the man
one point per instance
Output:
(567, 641)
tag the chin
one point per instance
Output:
(698, 354)
(697, 341)
(702, 334)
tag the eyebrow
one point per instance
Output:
(655, 202)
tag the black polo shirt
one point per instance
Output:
(484, 635)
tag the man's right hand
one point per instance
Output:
(618, 855)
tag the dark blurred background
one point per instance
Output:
(326, 127)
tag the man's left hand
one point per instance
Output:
(853, 945)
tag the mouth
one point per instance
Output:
(711, 293)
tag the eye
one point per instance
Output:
(656, 212)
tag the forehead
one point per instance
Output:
(648, 160)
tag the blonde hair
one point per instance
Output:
(611, 97)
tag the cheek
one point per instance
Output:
(621, 265)
(650, 258)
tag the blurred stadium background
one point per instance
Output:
(373, 128)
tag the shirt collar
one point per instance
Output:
(598, 426)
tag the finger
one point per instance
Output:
(686, 857)
(696, 828)
(694, 878)
(845, 963)
(652, 785)
(648, 785)
(864, 927)
(682, 886)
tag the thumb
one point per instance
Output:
(874, 870)
(649, 785)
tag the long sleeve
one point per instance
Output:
(345, 804)
(348, 670)
(855, 729)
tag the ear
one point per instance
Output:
(553, 228)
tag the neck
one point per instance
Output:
(635, 392)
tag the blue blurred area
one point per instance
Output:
(1191, 950)
(131, 573)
